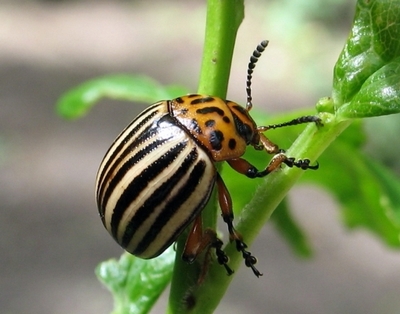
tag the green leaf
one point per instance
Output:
(79, 100)
(379, 95)
(366, 84)
(368, 193)
(374, 41)
(136, 284)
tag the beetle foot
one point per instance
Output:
(249, 259)
(222, 258)
(303, 164)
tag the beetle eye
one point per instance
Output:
(244, 130)
(247, 133)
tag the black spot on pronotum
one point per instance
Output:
(179, 100)
(194, 125)
(232, 144)
(210, 123)
(226, 119)
(202, 100)
(184, 111)
(207, 110)
(240, 109)
(216, 138)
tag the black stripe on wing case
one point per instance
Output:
(127, 137)
(172, 208)
(141, 182)
(157, 198)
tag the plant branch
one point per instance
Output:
(223, 20)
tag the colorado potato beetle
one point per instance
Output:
(159, 173)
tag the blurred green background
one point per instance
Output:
(50, 235)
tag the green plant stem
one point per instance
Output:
(223, 21)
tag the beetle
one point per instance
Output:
(159, 173)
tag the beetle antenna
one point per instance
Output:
(252, 64)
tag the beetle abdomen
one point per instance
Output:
(152, 183)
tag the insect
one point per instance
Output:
(159, 173)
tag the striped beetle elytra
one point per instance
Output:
(159, 173)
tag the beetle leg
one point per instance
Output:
(244, 167)
(198, 241)
(225, 203)
(266, 144)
